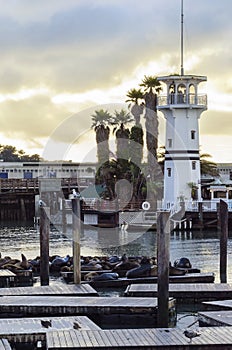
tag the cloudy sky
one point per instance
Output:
(63, 59)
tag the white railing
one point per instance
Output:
(189, 99)
(210, 205)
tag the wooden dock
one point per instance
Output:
(124, 282)
(11, 279)
(31, 330)
(218, 305)
(4, 344)
(187, 292)
(163, 338)
(7, 278)
(58, 289)
(26, 306)
(215, 318)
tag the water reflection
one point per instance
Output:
(201, 247)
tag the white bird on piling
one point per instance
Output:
(124, 226)
(42, 203)
(190, 334)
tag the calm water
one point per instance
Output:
(202, 248)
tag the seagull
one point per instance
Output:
(76, 325)
(46, 324)
(189, 333)
(124, 226)
(42, 203)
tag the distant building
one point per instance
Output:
(83, 172)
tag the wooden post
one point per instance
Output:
(64, 219)
(44, 246)
(76, 240)
(200, 210)
(218, 217)
(223, 240)
(163, 258)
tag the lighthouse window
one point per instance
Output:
(193, 134)
(169, 143)
(193, 165)
(169, 170)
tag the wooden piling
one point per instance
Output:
(163, 257)
(76, 239)
(64, 219)
(44, 246)
(200, 210)
(223, 240)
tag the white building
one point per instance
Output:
(182, 107)
(84, 172)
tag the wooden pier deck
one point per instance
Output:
(47, 305)
(215, 318)
(124, 282)
(4, 344)
(211, 338)
(188, 292)
(7, 278)
(31, 330)
(218, 305)
(58, 289)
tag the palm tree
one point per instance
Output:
(119, 120)
(136, 135)
(208, 167)
(151, 87)
(100, 123)
(134, 95)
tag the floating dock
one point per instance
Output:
(58, 289)
(149, 339)
(46, 305)
(187, 292)
(124, 282)
(4, 344)
(215, 318)
(218, 305)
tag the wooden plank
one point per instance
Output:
(154, 338)
(6, 273)
(218, 305)
(218, 318)
(189, 292)
(46, 305)
(187, 278)
(58, 289)
(4, 344)
(29, 325)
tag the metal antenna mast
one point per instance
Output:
(182, 41)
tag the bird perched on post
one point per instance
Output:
(42, 203)
(190, 334)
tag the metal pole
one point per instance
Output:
(182, 40)
(76, 240)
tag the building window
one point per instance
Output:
(169, 170)
(169, 143)
(193, 134)
(193, 165)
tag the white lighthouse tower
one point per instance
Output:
(182, 107)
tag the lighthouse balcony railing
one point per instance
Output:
(199, 100)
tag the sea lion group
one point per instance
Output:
(98, 268)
